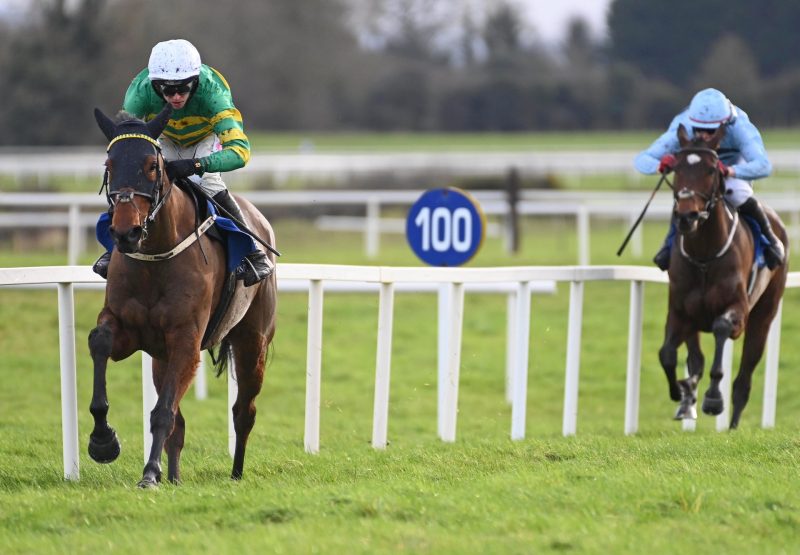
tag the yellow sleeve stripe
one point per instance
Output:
(232, 135)
(243, 153)
(224, 114)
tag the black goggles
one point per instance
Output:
(697, 130)
(172, 90)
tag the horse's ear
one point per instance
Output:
(683, 136)
(156, 125)
(107, 126)
(717, 137)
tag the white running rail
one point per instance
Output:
(388, 279)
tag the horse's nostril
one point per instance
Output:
(135, 234)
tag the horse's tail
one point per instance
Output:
(220, 360)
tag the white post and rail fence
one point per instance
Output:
(450, 283)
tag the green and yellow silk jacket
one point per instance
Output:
(209, 110)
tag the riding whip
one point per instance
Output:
(639, 219)
(233, 219)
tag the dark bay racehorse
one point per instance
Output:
(713, 286)
(165, 279)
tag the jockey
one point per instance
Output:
(741, 153)
(203, 137)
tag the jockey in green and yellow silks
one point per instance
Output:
(204, 135)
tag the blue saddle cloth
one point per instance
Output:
(237, 243)
(760, 241)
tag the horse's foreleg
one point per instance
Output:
(674, 335)
(171, 381)
(726, 326)
(104, 446)
(694, 363)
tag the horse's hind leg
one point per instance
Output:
(755, 339)
(250, 351)
(174, 446)
(171, 379)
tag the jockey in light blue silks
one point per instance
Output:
(741, 153)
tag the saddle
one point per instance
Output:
(220, 231)
(760, 243)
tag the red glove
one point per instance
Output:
(723, 169)
(668, 162)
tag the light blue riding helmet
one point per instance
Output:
(710, 108)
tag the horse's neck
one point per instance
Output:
(173, 222)
(712, 235)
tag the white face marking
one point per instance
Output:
(693, 159)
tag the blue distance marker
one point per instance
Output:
(445, 227)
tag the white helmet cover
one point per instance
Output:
(174, 60)
(709, 109)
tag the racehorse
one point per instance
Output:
(714, 285)
(165, 278)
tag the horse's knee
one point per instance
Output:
(727, 325)
(668, 356)
(100, 341)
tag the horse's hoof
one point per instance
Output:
(147, 483)
(713, 406)
(686, 413)
(675, 392)
(104, 450)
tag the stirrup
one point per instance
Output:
(100, 267)
(255, 267)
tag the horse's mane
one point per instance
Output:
(123, 116)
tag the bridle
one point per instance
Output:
(716, 193)
(151, 190)
(710, 202)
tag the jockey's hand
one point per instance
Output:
(667, 163)
(184, 168)
(724, 170)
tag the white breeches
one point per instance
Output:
(211, 182)
(737, 191)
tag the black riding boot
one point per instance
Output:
(101, 266)
(664, 254)
(254, 266)
(774, 253)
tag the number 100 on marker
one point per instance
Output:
(445, 227)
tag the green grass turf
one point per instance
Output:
(660, 491)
